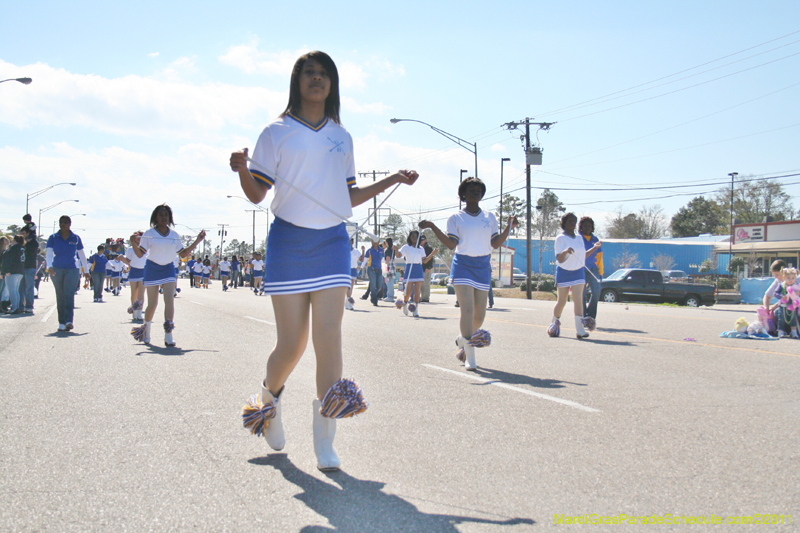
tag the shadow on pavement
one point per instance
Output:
(65, 334)
(607, 343)
(169, 351)
(520, 379)
(619, 330)
(360, 505)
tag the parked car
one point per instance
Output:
(638, 285)
(674, 275)
(436, 279)
(517, 275)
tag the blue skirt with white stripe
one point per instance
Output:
(303, 260)
(415, 274)
(136, 274)
(568, 278)
(473, 271)
(155, 274)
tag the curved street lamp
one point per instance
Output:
(49, 207)
(471, 147)
(24, 81)
(37, 193)
(70, 216)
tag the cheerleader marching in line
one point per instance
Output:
(308, 256)
(135, 277)
(257, 273)
(472, 233)
(570, 262)
(414, 255)
(224, 272)
(355, 259)
(197, 270)
(160, 243)
(206, 272)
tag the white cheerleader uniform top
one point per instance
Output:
(575, 260)
(224, 266)
(317, 160)
(160, 249)
(198, 268)
(136, 261)
(355, 255)
(473, 233)
(258, 265)
(413, 256)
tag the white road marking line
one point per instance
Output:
(198, 303)
(49, 314)
(517, 389)
(259, 320)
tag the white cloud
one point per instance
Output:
(250, 60)
(135, 105)
(153, 54)
(499, 148)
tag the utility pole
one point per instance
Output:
(374, 199)
(460, 179)
(221, 234)
(533, 156)
(730, 241)
(254, 227)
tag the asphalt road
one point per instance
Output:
(103, 434)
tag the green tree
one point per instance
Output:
(393, 227)
(546, 221)
(754, 200)
(512, 206)
(648, 223)
(699, 216)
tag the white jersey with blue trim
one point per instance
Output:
(315, 159)
(136, 261)
(474, 233)
(161, 249)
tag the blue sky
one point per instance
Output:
(141, 103)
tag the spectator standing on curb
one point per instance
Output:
(12, 268)
(5, 302)
(98, 272)
(594, 264)
(389, 254)
(374, 256)
(26, 285)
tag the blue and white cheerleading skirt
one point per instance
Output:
(473, 271)
(303, 260)
(136, 274)
(568, 278)
(224, 273)
(115, 274)
(415, 273)
(354, 273)
(258, 273)
(155, 274)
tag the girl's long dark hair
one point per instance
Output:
(332, 102)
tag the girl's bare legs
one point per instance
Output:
(414, 289)
(152, 303)
(563, 294)
(326, 334)
(169, 301)
(577, 298)
(292, 322)
(481, 300)
(466, 303)
(137, 291)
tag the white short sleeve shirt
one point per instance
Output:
(474, 233)
(161, 249)
(576, 260)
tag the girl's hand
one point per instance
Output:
(512, 222)
(201, 235)
(406, 176)
(425, 224)
(239, 160)
(598, 244)
(570, 251)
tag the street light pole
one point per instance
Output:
(37, 193)
(730, 241)
(460, 179)
(49, 207)
(23, 81)
(500, 268)
(471, 147)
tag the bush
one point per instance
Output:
(546, 285)
(726, 283)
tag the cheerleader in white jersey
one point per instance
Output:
(160, 243)
(197, 269)
(472, 233)
(308, 259)
(257, 273)
(570, 262)
(355, 258)
(135, 277)
(414, 255)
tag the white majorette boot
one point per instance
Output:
(169, 325)
(581, 333)
(324, 432)
(262, 416)
(142, 333)
(466, 354)
(554, 330)
(405, 308)
(274, 433)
